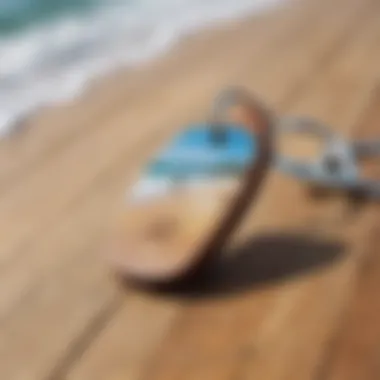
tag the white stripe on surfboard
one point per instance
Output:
(148, 188)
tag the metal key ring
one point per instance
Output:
(337, 166)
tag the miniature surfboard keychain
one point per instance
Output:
(192, 195)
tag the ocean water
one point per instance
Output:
(51, 49)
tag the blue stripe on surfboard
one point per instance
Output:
(193, 153)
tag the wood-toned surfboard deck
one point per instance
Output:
(296, 296)
(184, 205)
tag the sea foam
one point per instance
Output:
(53, 62)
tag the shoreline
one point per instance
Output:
(71, 91)
(51, 128)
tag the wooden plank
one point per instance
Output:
(354, 354)
(353, 350)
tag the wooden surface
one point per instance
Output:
(296, 297)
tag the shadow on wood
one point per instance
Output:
(262, 260)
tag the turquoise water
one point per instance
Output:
(51, 49)
(16, 15)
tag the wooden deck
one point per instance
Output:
(296, 299)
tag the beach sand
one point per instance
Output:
(63, 178)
